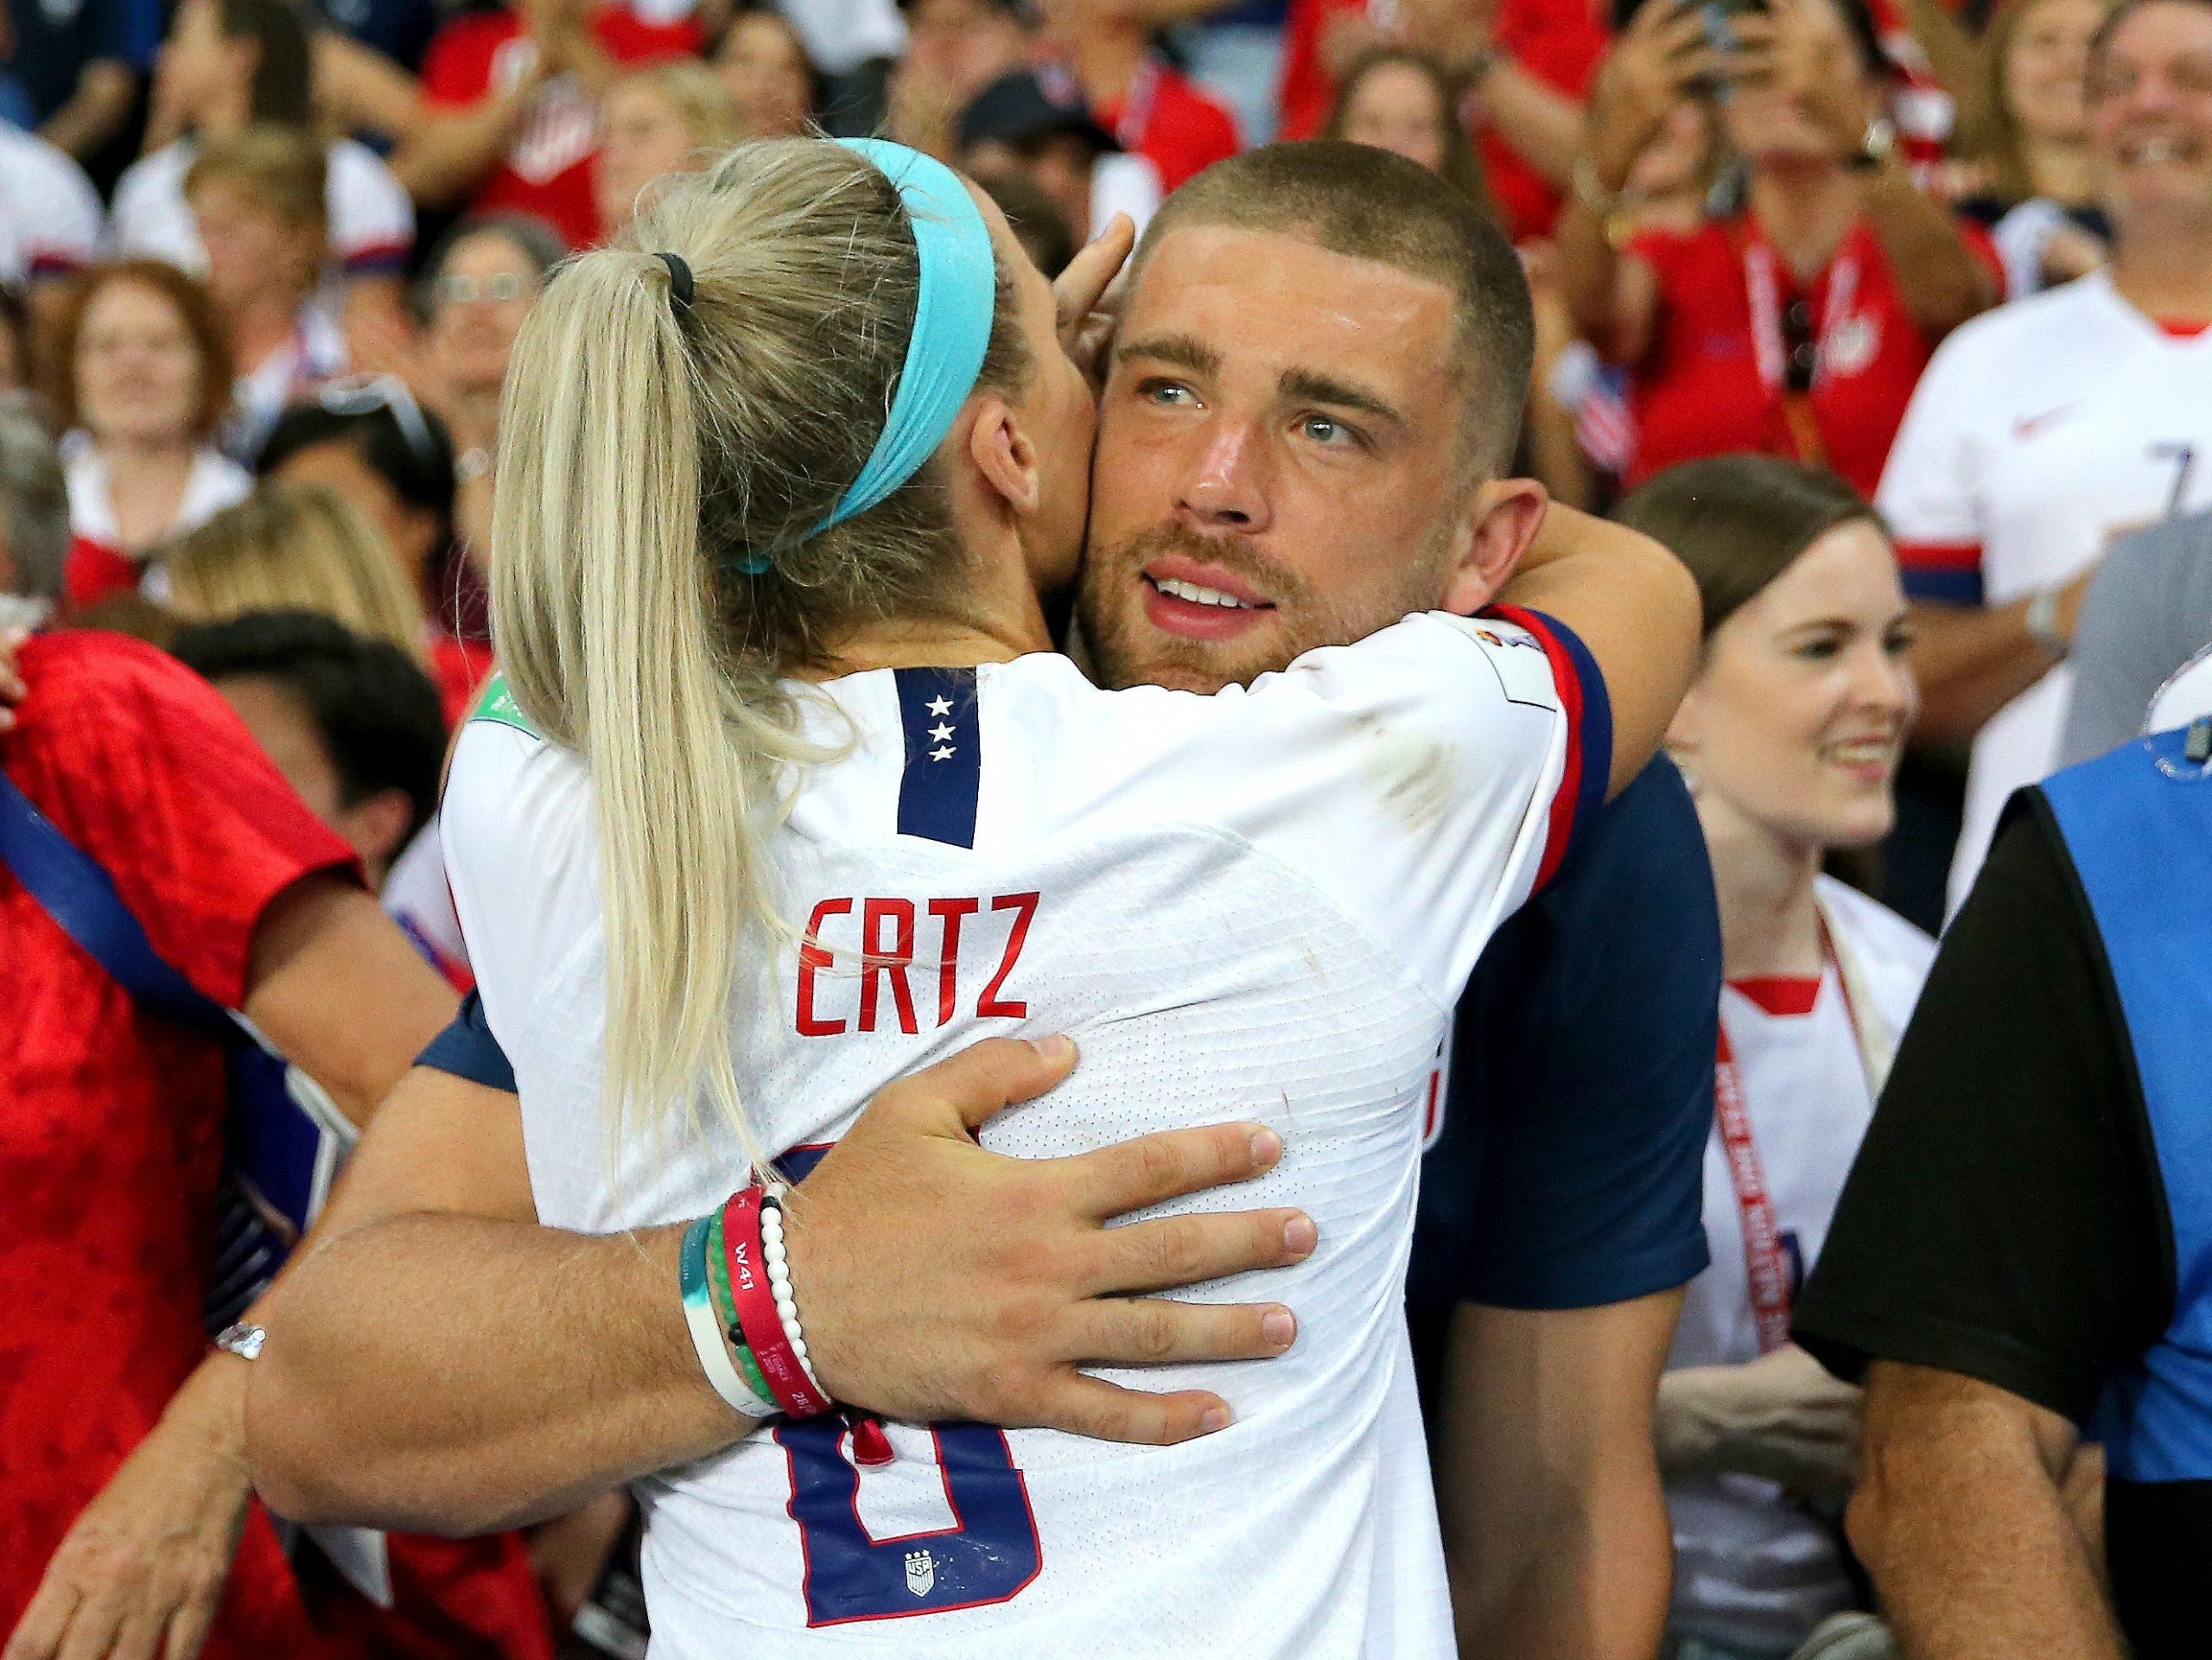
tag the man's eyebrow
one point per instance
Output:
(1180, 351)
(1308, 386)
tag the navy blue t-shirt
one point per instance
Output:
(467, 1049)
(1569, 1170)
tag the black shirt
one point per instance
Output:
(2006, 1219)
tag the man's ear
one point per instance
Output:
(1500, 521)
(1003, 455)
(377, 827)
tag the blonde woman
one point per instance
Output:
(296, 547)
(789, 792)
(655, 122)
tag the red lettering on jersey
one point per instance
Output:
(949, 912)
(812, 956)
(1025, 907)
(879, 961)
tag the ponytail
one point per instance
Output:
(654, 575)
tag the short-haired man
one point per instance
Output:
(353, 723)
(1356, 401)
(1248, 509)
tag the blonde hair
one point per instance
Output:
(697, 95)
(655, 575)
(295, 547)
(282, 169)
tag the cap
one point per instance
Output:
(1028, 104)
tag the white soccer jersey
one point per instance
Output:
(1260, 904)
(372, 218)
(50, 220)
(1753, 1570)
(2040, 432)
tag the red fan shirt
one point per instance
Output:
(1714, 382)
(110, 1119)
(547, 169)
(1165, 118)
(1558, 41)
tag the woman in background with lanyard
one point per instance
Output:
(1795, 318)
(1789, 738)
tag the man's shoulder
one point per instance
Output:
(156, 172)
(85, 680)
(1637, 891)
(34, 164)
(1643, 855)
(2182, 541)
(2023, 343)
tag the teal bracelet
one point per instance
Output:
(706, 1331)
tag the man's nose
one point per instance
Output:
(1228, 487)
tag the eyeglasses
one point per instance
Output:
(454, 290)
(1801, 351)
(366, 394)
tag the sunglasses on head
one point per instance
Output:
(366, 394)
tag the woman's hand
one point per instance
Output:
(142, 1571)
(1781, 1416)
(1088, 297)
(1658, 61)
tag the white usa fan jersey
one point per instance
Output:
(1258, 905)
(1754, 1571)
(2040, 432)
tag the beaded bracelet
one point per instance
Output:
(772, 1337)
(779, 1277)
(706, 1335)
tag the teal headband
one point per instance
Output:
(952, 320)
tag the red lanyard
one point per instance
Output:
(1766, 1263)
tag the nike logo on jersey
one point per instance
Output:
(2028, 426)
(883, 954)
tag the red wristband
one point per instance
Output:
(756, 1311)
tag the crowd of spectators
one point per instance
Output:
(1917, 286)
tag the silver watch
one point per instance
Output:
(2042, 619)
(243, 1340)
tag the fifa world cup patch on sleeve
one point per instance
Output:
(498, 704)
(1524, 670)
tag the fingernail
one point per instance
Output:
(1299, 1234)
(1055, 1048)
(1215, 1418)
(1267, 1146)
(1278, 1327)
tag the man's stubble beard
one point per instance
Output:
(1124, 649)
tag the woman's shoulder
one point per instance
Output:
(1876, 932)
